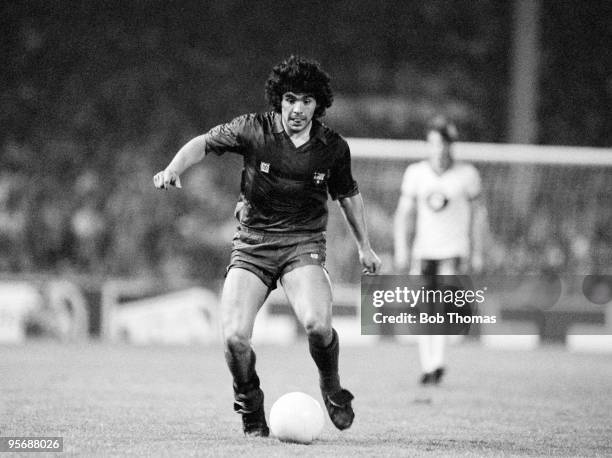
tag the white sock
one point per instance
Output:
(438, 351)
(425, 353)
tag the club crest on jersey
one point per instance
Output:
(437, 201)
(264, 167)
(319, 177)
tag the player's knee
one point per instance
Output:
(237, 342)
(317, 329)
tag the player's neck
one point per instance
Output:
(300, 137)
(439, 167)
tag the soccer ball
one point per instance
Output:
(296, 417)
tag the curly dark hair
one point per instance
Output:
(444, 127)
(299, 75)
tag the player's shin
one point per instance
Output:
(326, 359)
(248, 396)
(337, 399)
(241, 363)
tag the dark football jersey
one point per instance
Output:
(284, 188)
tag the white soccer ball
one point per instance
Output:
(296, 417)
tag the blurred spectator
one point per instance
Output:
(12, 223)
(88, 223)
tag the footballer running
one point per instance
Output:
(291, 163)
(436, 226)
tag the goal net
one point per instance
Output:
(549, 207)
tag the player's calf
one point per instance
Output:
(337, 399)
(248, 396)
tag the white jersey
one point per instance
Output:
(443, 208)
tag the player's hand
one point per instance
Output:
(476, 263)
(166, 178)
(401, 264)
(370, 261)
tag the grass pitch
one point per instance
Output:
(176, 401)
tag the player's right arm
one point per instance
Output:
(191, 153)
(229, 137)
(404, 223)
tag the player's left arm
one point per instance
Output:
(354, 212)
(478, 224)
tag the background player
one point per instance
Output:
(291, 163)
(437, 225)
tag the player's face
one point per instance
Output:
(439, 150)
(297, 111)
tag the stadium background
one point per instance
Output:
(98, 96)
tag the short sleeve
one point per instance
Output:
(341, 182)
(230, 137)
(409, 181)
(473, 182)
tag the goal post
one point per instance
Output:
(549, 207)
(399, 150)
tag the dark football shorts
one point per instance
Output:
(269, 255)
(430, 270)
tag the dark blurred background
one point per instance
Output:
(96, 97)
